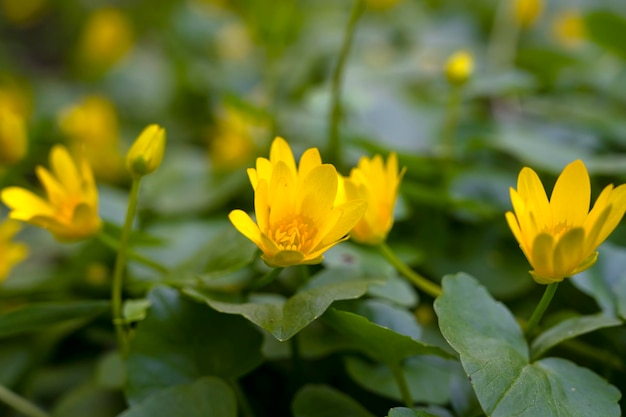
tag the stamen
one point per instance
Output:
(295, 233)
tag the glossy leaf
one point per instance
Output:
(324, 401)
(38, 316)
(181, 340)
(496, 358)
(284, 318)
(407, 412)
(206, 397)
(569, 329)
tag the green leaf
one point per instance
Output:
(606, 28)
(496, 358)
(380, 343)
(407, 412)
(181, 340)
(569, 329)
(205, 397)
(323, 401)
(396, 289)
(429, 378)
(38, 316)
(284, 318)
(135, 310)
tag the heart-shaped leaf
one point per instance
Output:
(323, 401)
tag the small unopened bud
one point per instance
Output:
(146, 154)
(527, 11)
(459, 67)
(13, 139)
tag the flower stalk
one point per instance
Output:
(535, 318)
(400, 378)
(20, 404)
(419, 281)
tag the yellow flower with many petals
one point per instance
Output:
(13, 139)
(71, 210)
(11, 253)
(297, 218)
(560, 237)
(377, 183)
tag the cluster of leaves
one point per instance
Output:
(335, 339)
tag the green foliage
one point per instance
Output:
(324, 401)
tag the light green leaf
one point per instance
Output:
(429, 378)
(181, 340)
(606, 28)
(284, 318)
(37, 316)
(205, 397)
(407, 412)
(569, 329)
(135, 310)
(496, 358)
(323, 401)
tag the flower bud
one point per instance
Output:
(459, 67)
(146, 154)
(527, 11)
(13, 139)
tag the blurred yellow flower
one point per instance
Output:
(11, 253)
(106, 38)
(23, 13)
(92, 128)
(297, 220)
(146, 154)
(377, 183)
(569, 28)
(459, 67)
(527, 11)
(13, 138)
(559, 237)
(71, 209)
(381, 4)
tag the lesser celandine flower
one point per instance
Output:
(13, 139)
(459, 67)
(377, 183)
(146, 154)
(569, 28)
(527, 11)
(297, 219)
(11, 253)
(71, 209)
(559, 237)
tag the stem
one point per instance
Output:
(246, 409)
(265, 279)
(540, 309)
(118, 275)
(451, 120)
(502, 46)
(296, 359)
(418, 280)
(334, 145)
(20, 404)
(112, 243)
(400, 378)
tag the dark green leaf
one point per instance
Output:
(569, 329)
(607, 28)
(284, 318)
(37, 316)
(181, 340)
(407, 412)
(323, 401)
(496, 357)
(206, 397)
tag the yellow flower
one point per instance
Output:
(11, 253)
(527, 11)
(71, 210)
(297, 220)
(459, 67)
(377, 183)
(146, 154)
(559, 237)
(569, 28)
(13, 139)
(107, 37)
(23, 13)
(92, 128)
(381, 4)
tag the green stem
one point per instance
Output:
(118, 275)
(296, 359)
(540, 309)
(265, 279)
(502, 46)
(451, 120)
(418, 280)
(112, 243)
(400, 378)
(334, 144)
(20, 404)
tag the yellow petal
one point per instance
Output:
(24, 204)
(318, 192)
(531, 191)
(64, 169)
(281, 193)
(568, 253)
(570, 198)
(617, 202)
(280, 151)
(351, 213)
(244, 224)
(310, 159)
(55, 192)
(514, 226)
(262, 206)
(543, 255)
(253, 176)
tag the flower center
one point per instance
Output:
(560, 229)
(65, 210)
(295, 233)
